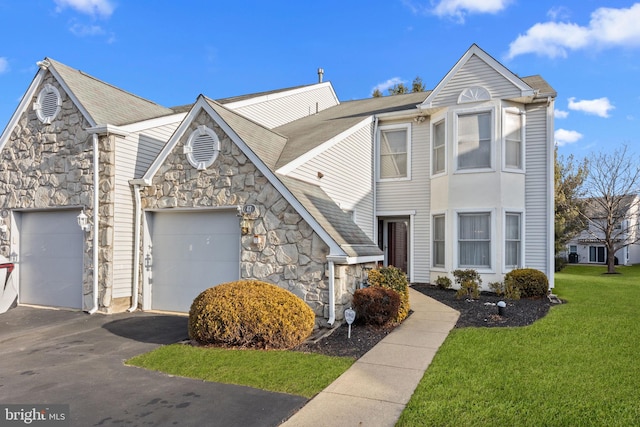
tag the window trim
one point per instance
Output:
(435, 267)
(455, 139)
(436, 121)
(506, 268)
(492, 244)
(523, 122)
(407, 127)
(39, 104)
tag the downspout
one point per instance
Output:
(136, 248)
(374, 164)
(96, 183)
(550, 192)
(332, 295)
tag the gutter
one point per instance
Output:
(332, 295)
(96, 228)
(136, 246)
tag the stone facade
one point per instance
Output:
(50, 166)
(290, 255)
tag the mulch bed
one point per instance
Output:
(482, 312)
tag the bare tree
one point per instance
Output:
(612, 189)
(569, 198)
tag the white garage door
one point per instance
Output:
(51, 251)
(192, 251)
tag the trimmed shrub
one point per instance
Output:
(469, 281)
(528, 281)
(443, 282)
(393, 278)
(497, 288)
(376, 305)
(250, 313)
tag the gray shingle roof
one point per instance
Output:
(107, 104)
(538, 83)
(337, 223)
(265, 143)
(309, 132)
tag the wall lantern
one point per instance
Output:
(245, 225)
(83, 221)
(246, 214)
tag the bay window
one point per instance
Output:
(474, 240)
(513, 140)
(438, 240)
(474, 140)
(512, 240)
(438, 148)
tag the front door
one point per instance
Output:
(394, 241)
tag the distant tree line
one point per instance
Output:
(400, 88)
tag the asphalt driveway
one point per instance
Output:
(69, 357)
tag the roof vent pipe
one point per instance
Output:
(320, 74)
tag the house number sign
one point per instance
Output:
(248, 209)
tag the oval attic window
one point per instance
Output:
(202, 147)
(48, 104)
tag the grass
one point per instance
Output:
(280, 371)
(578, 366)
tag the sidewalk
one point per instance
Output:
(377, 387)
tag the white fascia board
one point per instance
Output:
(292, 165)
(154, 123)
(73, 97)
(202, 104)
(140, 181)
(525, 89)
(278, 95)
(108, 130)
(22, 107)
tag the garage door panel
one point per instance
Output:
(51, 259)
(192, 251)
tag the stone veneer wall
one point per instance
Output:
(293, 256)
(50, 166)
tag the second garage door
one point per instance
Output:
(192, 252)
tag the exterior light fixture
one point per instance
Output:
(245, 225)
(83, 221)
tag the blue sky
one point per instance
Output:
(172, 51)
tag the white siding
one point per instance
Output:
(413, 195)
(476, 72)
(536, 189)
(276, 110)
(347, 175)
(134, 155)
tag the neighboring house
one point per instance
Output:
(291, 186)
(588, 247)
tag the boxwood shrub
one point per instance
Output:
(376, 305)
(530, 282)
(250, 313)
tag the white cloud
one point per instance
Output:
(102, 8)
(598, 107)
(558, 12)
(560, 114)
(383, 87)
(608, 27)
(4, 65)
(86, 30)
(457, 9)
(565, 137)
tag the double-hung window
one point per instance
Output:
(513, 240)
(394, 152)
(474, 240)
(474, 140)
(513, 140)
(438, 154)
(438, 240)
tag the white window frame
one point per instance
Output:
(436, 121)
(475, 111)
(523, 122)
(435, 267)
(520, 213)
(492, 233)
(381, 129)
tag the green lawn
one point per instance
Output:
(282, 371)
(578, 366)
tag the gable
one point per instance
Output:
(476, 73)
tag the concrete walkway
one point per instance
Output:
(375, 390)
